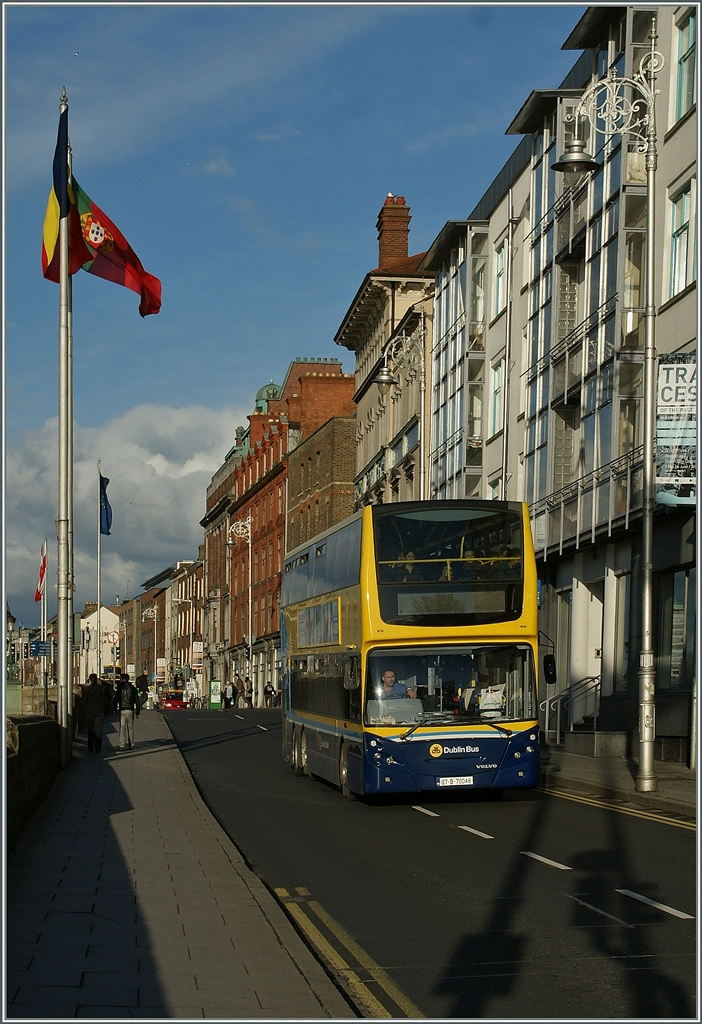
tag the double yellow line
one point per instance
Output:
(633, 811)
(358, 989)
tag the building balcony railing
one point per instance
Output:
(574, 340)
(589, 507)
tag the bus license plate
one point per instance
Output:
(455, 780)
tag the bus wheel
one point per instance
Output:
(344, 773)
(296, 761)
(303, 753)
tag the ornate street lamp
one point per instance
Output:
(152, 613)
(407, 353)
(626, 106)
(243, 529)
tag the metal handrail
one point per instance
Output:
(565, 699)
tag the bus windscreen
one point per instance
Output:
(439, 566)
(453, 686)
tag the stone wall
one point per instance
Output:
(32, 764)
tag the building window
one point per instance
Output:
(682, 259)
(676, 629)
(686, 65)
(500, 278)
(496, 399)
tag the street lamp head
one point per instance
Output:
(385, 380)
(575, 160)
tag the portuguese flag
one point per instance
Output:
(95, 244)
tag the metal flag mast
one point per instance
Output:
(64, 525)
(98, 643)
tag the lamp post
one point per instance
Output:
(407, 353)
(621, 106)
(152, 613)
(243, 530)
(191, 614)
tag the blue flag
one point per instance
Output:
(105, 510)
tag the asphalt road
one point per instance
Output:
(478, 908)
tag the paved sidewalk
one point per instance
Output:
(615, 778)
(127, 900)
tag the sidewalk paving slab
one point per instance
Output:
(126, 899)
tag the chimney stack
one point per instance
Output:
(393, 230)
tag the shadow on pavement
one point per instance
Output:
(76, 938)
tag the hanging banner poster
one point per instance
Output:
(197, 655)
(676, 429)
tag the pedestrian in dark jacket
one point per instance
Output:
(94, 710)
(129, 708)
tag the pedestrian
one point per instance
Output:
(240, 692)
(248, 688)
(129, 709)
(269, 694)
(228, 695)
(94, 710)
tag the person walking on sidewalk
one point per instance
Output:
(129, 709)
(249, 692)
(94, 710)
(239, 687)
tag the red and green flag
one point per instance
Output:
(95, 244)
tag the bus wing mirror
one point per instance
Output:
(350, 674)
(550, 674)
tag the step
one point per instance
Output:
(596, 744)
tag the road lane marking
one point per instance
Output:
(364, 958)
(545, 860)
(633, 811)
(654, 903)
(241, 717)
(483, 835)
(262, 727)
(360, 991)
(432, 814)
(598, 911)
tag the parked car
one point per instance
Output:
(172, 700)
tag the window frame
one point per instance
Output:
(687, 60)
(682, 254)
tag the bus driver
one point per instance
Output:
(391, 688)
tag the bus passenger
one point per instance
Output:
(390, 688)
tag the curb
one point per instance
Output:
(649, 801)
(324, 988)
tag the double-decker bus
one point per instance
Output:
(409, 648)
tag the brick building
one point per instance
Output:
(320, 479)
(244, 523)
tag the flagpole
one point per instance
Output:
(63, 534)
(71, 577)
(99, 556)
(44, 666)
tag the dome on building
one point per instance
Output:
(268, 393)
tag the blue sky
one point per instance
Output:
(245, 152)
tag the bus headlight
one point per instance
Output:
(517, 753)
(530, 750)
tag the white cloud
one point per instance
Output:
(219, 167)
(276, 134)
(159, 461)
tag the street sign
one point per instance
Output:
(113, 637)
(41, 648)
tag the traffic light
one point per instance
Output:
(25, 650)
